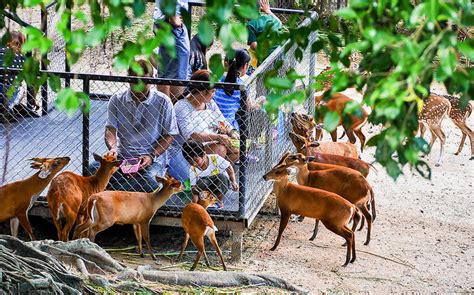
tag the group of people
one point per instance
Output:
(193, 133)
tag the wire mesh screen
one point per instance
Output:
(235, 147)
(268, 135)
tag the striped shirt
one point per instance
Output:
(229, 104)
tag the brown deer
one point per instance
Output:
(459, 116)
(345, 182)
(304, 146)
(107, 208)
(354, 164)
(354, 125)
(18, 197)
(197, 223)
(333, 211)
(435, 109)
(69, 193)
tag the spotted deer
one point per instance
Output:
(435, 109)
(459, 116)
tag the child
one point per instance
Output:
(207, 172)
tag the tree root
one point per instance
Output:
(81, 266)
(218, 279)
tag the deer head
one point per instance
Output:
(49, 166)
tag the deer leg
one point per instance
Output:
(14, 223)
(212, 237)
(82, 228)
(199, 243)
(433, 137)
(361, 137)
(206, 260)
(442, 138)
(348, 235)
(422, 128)
(138, 234)
(183, 246)
(466, 132)
(350, 135)
(25, 223)
(315, 230)
(67, 230)
(334, 135)
(367, 216)
(362, 223)
(145, 229)
(285, 216)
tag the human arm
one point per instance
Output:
(265, 7)
(111, 126)
(111, 139)
(230, 172)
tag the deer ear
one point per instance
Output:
(118, 163)
(36, 165)
(314, 144)
(97, 157)
(160, 179)
(39, 160)
(284, 157)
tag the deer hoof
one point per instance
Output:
(438, 164)
(456, 153)
(471, 158)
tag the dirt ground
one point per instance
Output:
(422, 239)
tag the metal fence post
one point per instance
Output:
(44, 57)
(85, 132)
(242, 120)
(312, 73)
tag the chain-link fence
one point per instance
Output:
(245, 145)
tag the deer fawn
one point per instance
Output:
(18, 197)
(197, 223)
(333, 211)
(434, 110)
(304, 146)
(459, 117)
(345, 182)
(69, 192)
(107, 208)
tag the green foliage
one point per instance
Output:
(404, 47)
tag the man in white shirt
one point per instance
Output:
(208, 172)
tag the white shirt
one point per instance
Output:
(217, 166)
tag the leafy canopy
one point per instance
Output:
(405, 47)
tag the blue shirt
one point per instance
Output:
(229, 104)
(140, 125)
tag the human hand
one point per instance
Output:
(224, 139)
(145, 161)
(235, 186)
(176, 21)
(265, 6)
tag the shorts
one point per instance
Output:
(217, 185)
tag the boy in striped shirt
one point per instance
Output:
(210, 173)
